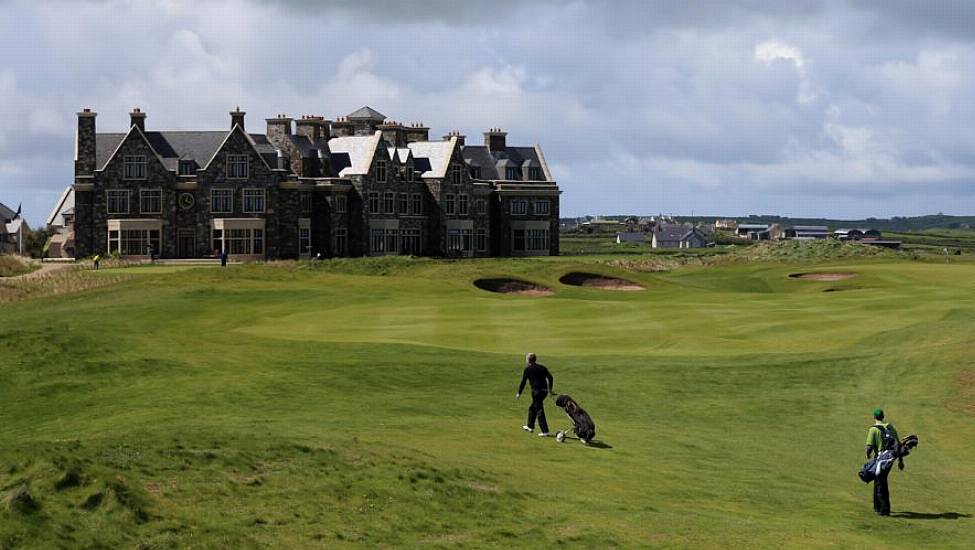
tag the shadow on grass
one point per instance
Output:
(600, 445)
(922, 515)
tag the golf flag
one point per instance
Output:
(17, 215)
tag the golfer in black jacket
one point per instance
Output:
(541, 383)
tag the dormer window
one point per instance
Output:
(409, 171)
(186, 167)
(535, 173)
(381, 171)
(511, 173)
(135, 167)
(456, 174)
(236, 167)
(475, 172)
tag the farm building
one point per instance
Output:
(631, 237)
(807, 232)
(856, 234)
(774, 232)
(746, 229)
(679, 236)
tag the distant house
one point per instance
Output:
(746, 229)
(630, 237)
(13, 227)
(678, 236)
(807, 232)
(774, 232)
(60, 225)
(856, 234)
(725, 225)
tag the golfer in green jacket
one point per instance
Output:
(875, 446)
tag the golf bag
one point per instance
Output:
(582, 423)
(884, 461)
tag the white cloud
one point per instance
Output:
(773, 50)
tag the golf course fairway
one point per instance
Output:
(371, 403)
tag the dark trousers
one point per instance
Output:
(881, 494)
(537, 409)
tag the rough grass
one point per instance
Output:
(11, 266)
(370, 404)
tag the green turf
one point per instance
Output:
(371, 402)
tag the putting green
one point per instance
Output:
(372, 403)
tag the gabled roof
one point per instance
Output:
(173, 146)
(249, 140)
(436, 153)
(352, 155)
(673, 232)
(366, 113)
(65, 203)
(6, 213)
(142, 135)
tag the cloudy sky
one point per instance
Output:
(833, 108)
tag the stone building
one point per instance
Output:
(360, 185)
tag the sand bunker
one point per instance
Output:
(593, 280)
(838, 276)
(512, 286)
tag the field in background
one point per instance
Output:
(371, 402)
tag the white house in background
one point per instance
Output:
(13, 229)
(678, 236)
(60, 226)
(633, 237)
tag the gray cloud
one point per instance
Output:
(814, 108)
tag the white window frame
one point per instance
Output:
(463, 204)
(229, 200)
(519, 207)
(253, 193)
(134, 167)
(416, 204)
(381, 172)
(449, 204)
(304, 241)
(144, 196)
(120, 195)
(389, 202)
(511, 173)
(305, 200)
(456, 174)
(535, 173)
(403, 204)
(375, 204)
(235, 162)
(545, 211)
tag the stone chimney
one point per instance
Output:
(312, 127)
(341, 127)
(84, 147)
(278, 128)
(237, 118)
(417, 132)
(460, 137)
(394, 133)
(137, 118)
(494, 140)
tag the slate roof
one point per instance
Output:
(352, 155)
(6, 213)
(479, 155)
(65, 205)
(173, 146)
(367, 113)
(673, 232)
(432, 157)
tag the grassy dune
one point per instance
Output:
(371, 402)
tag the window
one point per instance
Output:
(376, 240)
(380, 170)
(519, 240)
(221, 201)
(373, 202)
(541, 208)
(450, 204)
(392, 240)
(467, 244)
(409, 171)
(217, 241)
(453, 241)
(150, 201)
(511, 173)
(481, 240)
(475, 172)
(519, 208)
(305, 199)
(481, 206)
(341, 204)
(118, 201)
(134, 167)
(243, 241)
(253, 201)
(133, 242)
(462, 201)
(410, 241)
(534, 173)
(186, 167)
(537, 239)
(236, 167)
(341, 242)
(403, 203)
(304, 240)
(456, 174)
(389, 202)
(416, 204)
